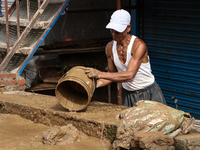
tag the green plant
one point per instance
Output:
(111, 133)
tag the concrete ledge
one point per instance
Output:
(97, 120)
(190, 141)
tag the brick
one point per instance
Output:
(2, 90)
(21, 82)
(8, 75)
(6, 83)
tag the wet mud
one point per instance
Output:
(17, 133)
(97, 121)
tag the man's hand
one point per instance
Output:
(92, 73)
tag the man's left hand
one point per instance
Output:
(92, 73)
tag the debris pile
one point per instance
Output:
(61, 135)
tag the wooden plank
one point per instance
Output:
(23, 35)
(2, 45)
(70, 51)
(23, 50)
(57, 1)
(24, 23)
(51, 79)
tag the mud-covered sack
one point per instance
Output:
(147, 116)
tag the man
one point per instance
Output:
(128, 62)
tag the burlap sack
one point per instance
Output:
(147, 116)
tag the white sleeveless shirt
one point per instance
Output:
(143, 77)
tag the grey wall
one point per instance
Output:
(82, 25)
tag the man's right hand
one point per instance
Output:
(92, 73)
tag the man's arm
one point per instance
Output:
(139, 51)
(102, 82)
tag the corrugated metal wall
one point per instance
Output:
(1, 10)
(172, 34)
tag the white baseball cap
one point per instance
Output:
(119, 20)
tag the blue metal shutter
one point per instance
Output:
(2, 6)
(172, 34)
(1, 9)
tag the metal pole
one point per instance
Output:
(28, 10)
(18, 27)
(109, 93)
(119, 6)
(38, 3)
(119, 85)
(7, 26)
(143, 20)
(119, 93)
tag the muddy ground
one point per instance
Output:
(31, 121)
(17, 133)
(25, 117)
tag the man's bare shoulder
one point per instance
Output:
(109, 45)
(140, 50)
(139, 42)
(108, 48)
(139, 45)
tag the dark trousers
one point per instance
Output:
(152, 92)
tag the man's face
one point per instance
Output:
(118, 36)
